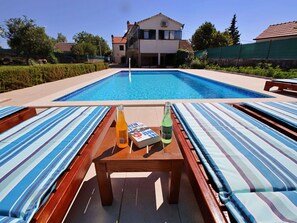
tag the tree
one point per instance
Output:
(77, 49)
(1, 31)
(83, 37)
(202, 38)
(108, 53)
(222, 39)
(233, 31)
(27, 39)
(61, 38)
(83, 49)
(206, 36)
(101, 45)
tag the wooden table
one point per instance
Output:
(109, 158)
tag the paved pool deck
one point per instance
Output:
(138, 197)
(150, 112)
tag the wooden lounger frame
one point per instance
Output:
(68, 184)
(268, 120)
(16, 118)
(207, 199)
(281, 85)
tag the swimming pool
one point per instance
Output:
(157, 85)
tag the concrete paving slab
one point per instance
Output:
(135, 195)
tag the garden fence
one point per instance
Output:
(268, 50)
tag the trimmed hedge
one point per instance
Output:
(17, 77)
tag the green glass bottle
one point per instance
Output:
(166, 127)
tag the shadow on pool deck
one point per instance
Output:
(138, 197)
(135, 196)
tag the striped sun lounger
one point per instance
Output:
(8, 110)
(291, 80)
(264, 207)
(239, 153)
(35, 153)
(12, 115)
(285, 112)
(282, 84)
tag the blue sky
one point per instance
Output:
(107, 17)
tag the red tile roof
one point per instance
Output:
(64, 47)
(287, 29)
(119, 40)
(185, 44)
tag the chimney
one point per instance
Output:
(128, 23)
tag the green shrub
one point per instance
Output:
(198, 64)
(184, 66)
(17, 77)
(262, 69)
(52, 59)
(183, 56)
(213, 66)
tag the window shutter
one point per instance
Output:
(161, 34)
(152, 34)
(140, 34)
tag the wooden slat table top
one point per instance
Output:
(108, 150)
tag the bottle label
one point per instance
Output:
(167, 132)
(123, 137)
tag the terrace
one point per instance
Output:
(138, 197)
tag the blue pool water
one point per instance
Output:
(157, 85)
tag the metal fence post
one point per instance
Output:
(268, 52)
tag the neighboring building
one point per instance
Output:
(64, 47)
(153, 41)
(280, 31)
(118, 49)
(186, 45)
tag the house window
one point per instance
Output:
(147, 34)
(166, 34)
(121, 47)
(178, 34)
(170, 34)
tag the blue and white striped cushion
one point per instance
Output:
(5, 219)
(8, 110)
(283, 111)
(290, 81)
(264, 206)
(35, 153)
(240, 153)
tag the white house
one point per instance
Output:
(118, 49)
(153, 41)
